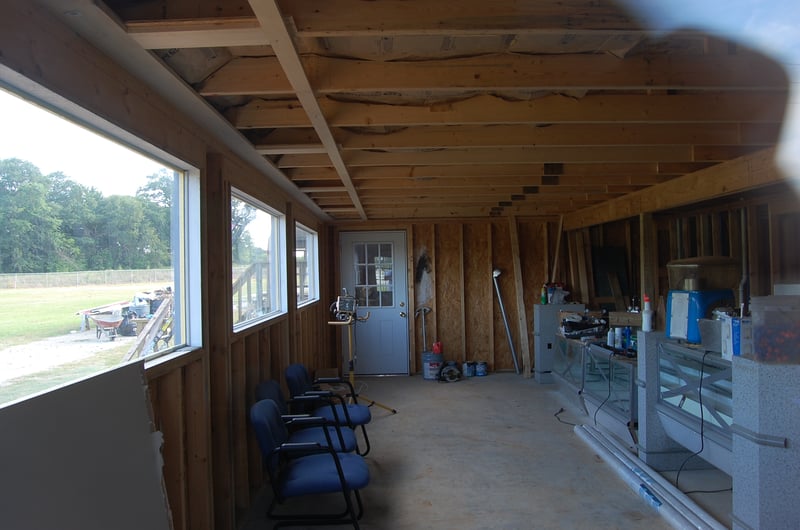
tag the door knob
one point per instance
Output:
(402, 314)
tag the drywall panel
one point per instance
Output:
(83, 457)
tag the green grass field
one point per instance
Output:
(27, 315)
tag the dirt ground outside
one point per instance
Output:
(29, 368)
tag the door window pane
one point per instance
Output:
(374, 266)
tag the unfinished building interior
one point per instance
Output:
(587, 145)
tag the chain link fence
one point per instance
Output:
(79, 278)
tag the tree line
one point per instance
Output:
(49, 223)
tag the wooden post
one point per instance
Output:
(554, 270)
(648, 258)
(519, 288)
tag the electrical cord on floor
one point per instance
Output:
(702, 419)
(559, 419)
(609, 390)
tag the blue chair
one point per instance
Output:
(345, 414)
(344, 439)
(303, 469)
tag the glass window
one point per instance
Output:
(99, 253)
(306, 264)
(374, 264)
(257, 261)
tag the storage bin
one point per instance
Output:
(704, 273)
(776, 329)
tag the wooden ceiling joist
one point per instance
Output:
(451, 137)
(421, 108)
(264, 75)
(271, 21)
(736, 176)
(527, 155)
(197, 33)
(473, 17)
(652, 173)
(745, 107)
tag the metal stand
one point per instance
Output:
(424, 310)
(351, 361)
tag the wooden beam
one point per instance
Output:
(324, 189)
(529, 155)
(583, 265)
(293, 149)
(457, 210)
(648, 258)
(524, 135)
(255, 76)
(301, 141)
(259, 75)
(473, 17)
(262, 113)
(519, 292)
(559, 236)
(396, 18)
(269, 16)
(197, 33)
(736, 176)
(752, 107)
(528, 185)
(568, 173)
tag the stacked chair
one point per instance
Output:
(347, 412)
(301, 468)
(344, 439)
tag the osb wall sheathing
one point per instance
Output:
(456, 283)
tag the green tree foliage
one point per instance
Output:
(158, 189)
(77, 207)
(50, 223)
(32, 240)
(156, 195)
(242, 214)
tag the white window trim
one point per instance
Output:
(278, 275)
(313, 273)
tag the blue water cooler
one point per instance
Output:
(685, 307)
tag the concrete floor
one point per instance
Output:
(483, 453)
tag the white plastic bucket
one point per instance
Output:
(431, 365)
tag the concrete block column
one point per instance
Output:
(766, 445)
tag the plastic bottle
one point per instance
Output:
(647, 315)
(626, 337)
(543, 299)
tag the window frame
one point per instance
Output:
(312, 265)
(185, 234)
(276, 275)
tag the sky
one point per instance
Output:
(52, 144)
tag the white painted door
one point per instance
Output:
(373, 269)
